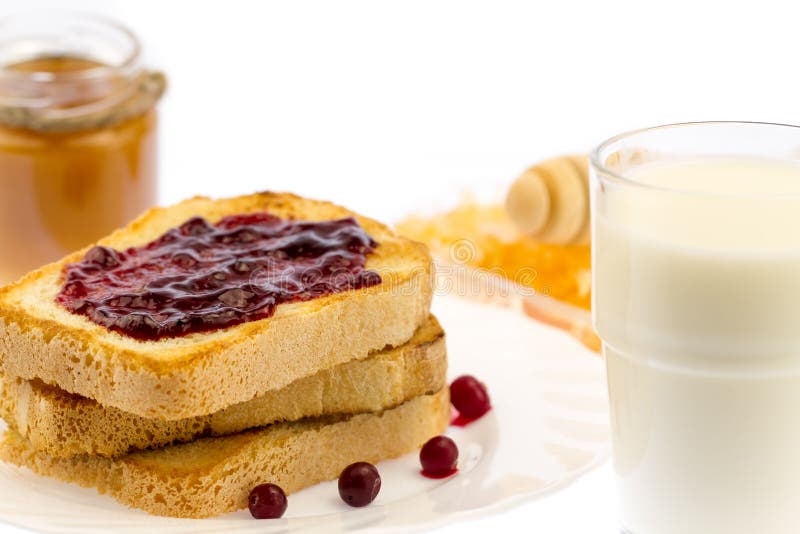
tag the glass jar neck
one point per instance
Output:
(65, 64)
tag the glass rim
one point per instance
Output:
(608, 175)
(129, 62)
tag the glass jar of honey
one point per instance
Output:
(78, 143)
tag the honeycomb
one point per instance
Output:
(482, 236)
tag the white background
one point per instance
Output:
(392, 107)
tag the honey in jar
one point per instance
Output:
(78, 146)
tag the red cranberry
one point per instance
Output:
(195, 226)
(102, 257)
(439, 456)
(469, 397)
(359, 484)
(267, 501)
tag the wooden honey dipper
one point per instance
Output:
(550, 201)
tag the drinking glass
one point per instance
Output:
(696, 297)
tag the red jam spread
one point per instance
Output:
(200, 277)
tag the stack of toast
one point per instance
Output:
(186, 426)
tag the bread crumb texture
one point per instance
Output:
(189, 376)
(211, 476)
(64, 424)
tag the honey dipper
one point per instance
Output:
(550, 201)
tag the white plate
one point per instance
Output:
(548, 425)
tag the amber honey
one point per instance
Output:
(78, 155)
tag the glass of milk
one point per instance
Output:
(696, 296)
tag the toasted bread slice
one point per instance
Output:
(212, 476)
(64, 424)
(202, 373)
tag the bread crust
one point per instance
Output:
(62, 424)
(202, 373)
(211, 476)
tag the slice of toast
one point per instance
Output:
(63, 424)
(212, 476)
(202, 373)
